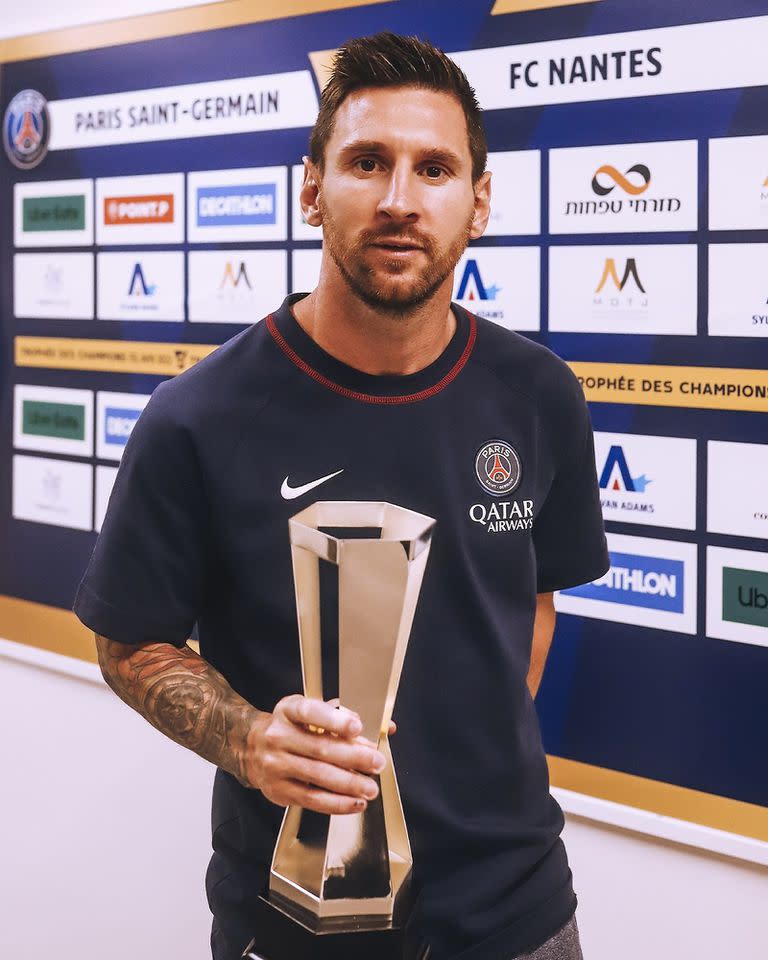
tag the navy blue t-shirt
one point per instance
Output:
(493, 440)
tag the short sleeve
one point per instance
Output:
(147, 575)
(568, 534)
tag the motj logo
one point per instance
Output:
(233, 278)
(607, 178)
(610, 273)
(472, 286)
(745, 596)
(616, 475)
(118, 424)
(656, 583)
(246, 205)
(129, 211)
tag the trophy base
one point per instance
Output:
(286, 932)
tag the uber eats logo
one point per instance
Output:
(53, 213)
(64, 420)
(745, 596)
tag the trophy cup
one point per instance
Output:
(338, 885)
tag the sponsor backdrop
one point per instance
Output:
(148, 210)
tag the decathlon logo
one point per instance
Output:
(241, 205)
(610, 273)
(118, 424)
(497, 468)
(472, 287)
(138, 287)
(639, 184)
(616, 476)
(655, 583)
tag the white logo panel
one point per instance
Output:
(737, 595)
(235, 286)
(738, 183)
(53, 213)
(300, 229)
(623, 289)
(500, 284)
(140, 286)
(56, 492)
(53, 419)
(624, 188)
(649, 480)
(116, 416)
(105, 480)
(737, 493)
(56, 286)
(651, 583)
(140, 210)
(515, 193)
(236, 206)
(738, 288)
(306, 269)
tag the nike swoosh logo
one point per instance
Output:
(290, 493)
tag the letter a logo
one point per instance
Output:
(616, 461)
(471, 286)
(138, 286)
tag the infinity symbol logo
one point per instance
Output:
(620, 180)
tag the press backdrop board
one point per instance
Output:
(629, 145)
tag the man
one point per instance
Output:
(372, 387)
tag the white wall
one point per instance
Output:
(105, 836)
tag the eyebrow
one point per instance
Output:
(436, 154)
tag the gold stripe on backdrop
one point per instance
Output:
(152, 26)
(706, 809)
(50, 628)
(46, 628)
(518, 6)
(109, 356)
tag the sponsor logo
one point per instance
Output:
(44, 419)
(615, 474)
(288, 492)
(745, 596)
(629, 302)
(53, 213)
(127, 211)
(764, 195)
(118, 424)
(138, 287)
(503, 516)
(616, 205)
(240, 205)
(656, 583)
(609, 273)
(472, 287)
(232, 278)
(497, 468)
(26, 129)
(621, 180)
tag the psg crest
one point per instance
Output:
(497, 467)
(26, 129)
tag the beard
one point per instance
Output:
(383, 286)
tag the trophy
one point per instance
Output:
(338, 885)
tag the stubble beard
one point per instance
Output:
(383, 294)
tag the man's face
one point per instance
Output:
(396, 198)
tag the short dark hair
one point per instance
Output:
(390, 60)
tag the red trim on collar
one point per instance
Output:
(369, 397)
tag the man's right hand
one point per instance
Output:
(323, 771)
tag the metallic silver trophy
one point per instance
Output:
(338, 880)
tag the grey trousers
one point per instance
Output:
(564, 945)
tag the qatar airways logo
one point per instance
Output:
(504, 516)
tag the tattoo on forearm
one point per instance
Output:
(183, 696)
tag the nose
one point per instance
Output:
(399, 199)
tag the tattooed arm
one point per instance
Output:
(185, 698)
